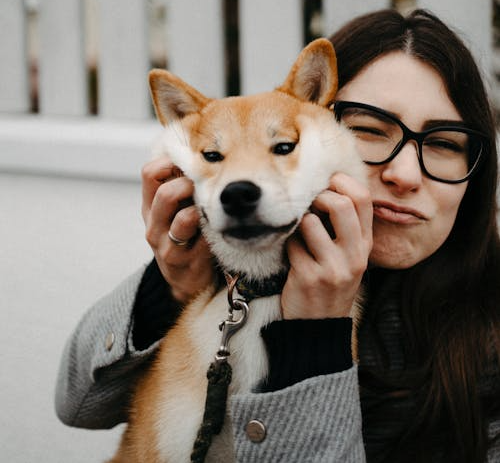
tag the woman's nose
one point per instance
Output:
(404, 171)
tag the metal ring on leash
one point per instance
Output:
(231, 284)
(177, 241)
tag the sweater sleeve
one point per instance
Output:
(301, 349)
(155, 310)
(310, 409)
(494, 435)
(316, 420)
(101, 362)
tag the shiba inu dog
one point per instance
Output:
(257, 163)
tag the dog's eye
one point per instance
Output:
(283, 148)
(212, 156)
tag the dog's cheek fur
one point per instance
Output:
(203, 200)
(175, 144)
(325, 148)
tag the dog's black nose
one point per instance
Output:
(240, 199)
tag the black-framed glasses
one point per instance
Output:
(447, 152)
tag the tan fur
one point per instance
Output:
(251, 121)
(168, 404)
(298, 82)
(177, 368)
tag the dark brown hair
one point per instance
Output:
(450, 303)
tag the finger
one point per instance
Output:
(201, 247)
(169, 199)
(165, 205)
(296, 251)
(182, 258)
(153, 174)
(315, 242)
(360, 196)
(185, 225)
(342, 214)
(201, 252)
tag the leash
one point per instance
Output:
(219, 373)
(219, 376)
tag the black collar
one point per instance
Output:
(252, 289)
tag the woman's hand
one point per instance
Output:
(167, 206)
(325, 273)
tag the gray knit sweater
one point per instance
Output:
(315, 420)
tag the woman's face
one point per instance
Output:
(413, 214)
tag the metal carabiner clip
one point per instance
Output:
(230, 326)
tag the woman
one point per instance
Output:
(429, 342)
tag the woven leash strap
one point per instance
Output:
(219, 377)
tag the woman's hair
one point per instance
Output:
(450, 306)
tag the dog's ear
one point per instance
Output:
(172, 97)
(313, 76)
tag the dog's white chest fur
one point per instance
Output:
(178, 420)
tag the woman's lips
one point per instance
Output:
(393, 213)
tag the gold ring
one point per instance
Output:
(177, 241)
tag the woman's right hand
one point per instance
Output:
(326, 271)
(188, 269)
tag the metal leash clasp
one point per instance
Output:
(231, 325)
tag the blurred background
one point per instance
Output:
(76, 125)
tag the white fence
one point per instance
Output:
(63, 138)
(66, 242)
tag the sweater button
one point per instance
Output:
(110, 341)
(256, 431)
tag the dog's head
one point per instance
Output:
(257, 162)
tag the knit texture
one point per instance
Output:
(155, 310)
(383, 349)
(301, 349)
(93, 381)
(317, 420)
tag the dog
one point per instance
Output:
(257, 162)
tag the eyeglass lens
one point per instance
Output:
(446, 154)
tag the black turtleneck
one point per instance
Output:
(298, 349)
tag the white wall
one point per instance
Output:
(65, 243)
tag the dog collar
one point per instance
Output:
(252, 289)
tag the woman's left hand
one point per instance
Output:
(325, 273)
